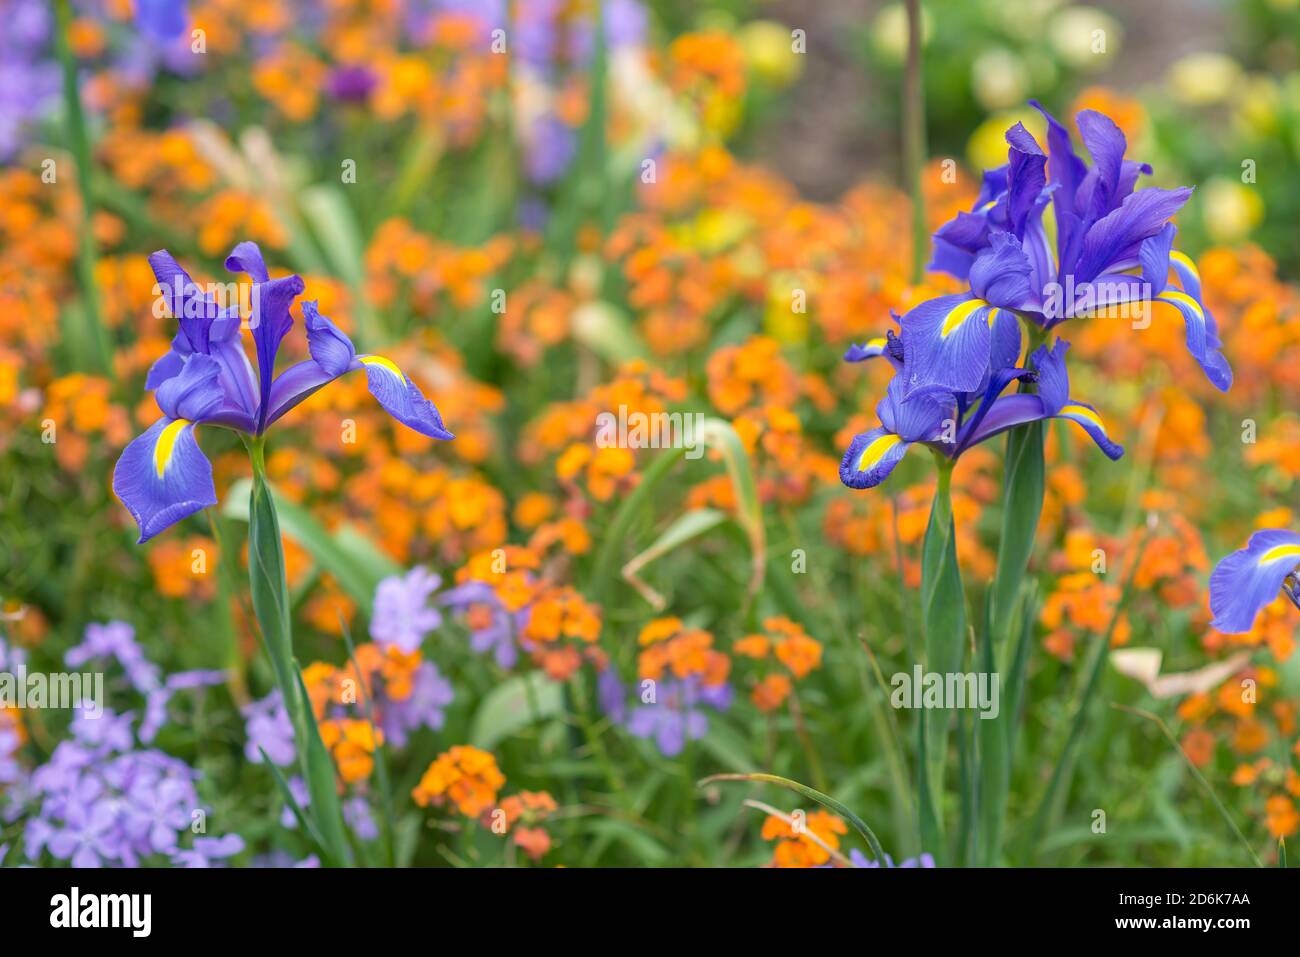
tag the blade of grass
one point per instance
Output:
(825, 800)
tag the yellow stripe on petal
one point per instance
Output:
(166, 444)
(1279, 552)
(1185, 261)
(1083, 412)
(386, 364)
(960, 313)
(874, 452)
(1174, 296)
(876, 343)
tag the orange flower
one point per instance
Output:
(464, 775)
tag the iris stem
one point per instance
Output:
(80, 143)
(914, 136)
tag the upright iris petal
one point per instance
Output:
(1250, 578)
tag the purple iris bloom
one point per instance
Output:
(951, 424)
(1250, 578)
(1112, 247)
(162, 20)
(676, 717)
(206, 378)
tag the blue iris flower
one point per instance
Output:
(1046, 249)
(951, 423)
(206, 379)
(1250, 578)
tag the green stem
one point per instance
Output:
(943, 617)
(270, 591)
(914, 136)
(80, 143)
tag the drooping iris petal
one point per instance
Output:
(1249, 579)
(162, 476)
(946, 344)
(402, 398)
(870, 458)
(1208, 357)
(1090, 420)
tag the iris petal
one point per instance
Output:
(1250, 578)
(870, 458)
(946, 345)
(162, 476)
(402, 398)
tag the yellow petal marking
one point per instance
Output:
(162, 450)
(1278, 552)
(386, 364)
(959, 314)
(874, 452)
(1084, 412)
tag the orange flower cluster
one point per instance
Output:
(670, 646)
(523, 815)
(465, 776)
(789, 644)
(809, 842)
(351, 743)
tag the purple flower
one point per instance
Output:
(268, 728)
(1246, 581)
(673, 718)
(611, 695)
(424, 707)
(162, 476)
(858, 859)
(156, 701)
(1113, 247)
(952, 424)
(208, 849)
(301, 796)
(551, 148)
(497, 634)
(162, 20)
(402, 615)
(351, 84)
(356, 811)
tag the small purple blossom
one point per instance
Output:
(402, 615)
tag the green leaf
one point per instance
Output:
(514, 704)
(943, 622)
(356, 563)
(684, 528)
(322, 786)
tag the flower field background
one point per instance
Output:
(477, 632)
